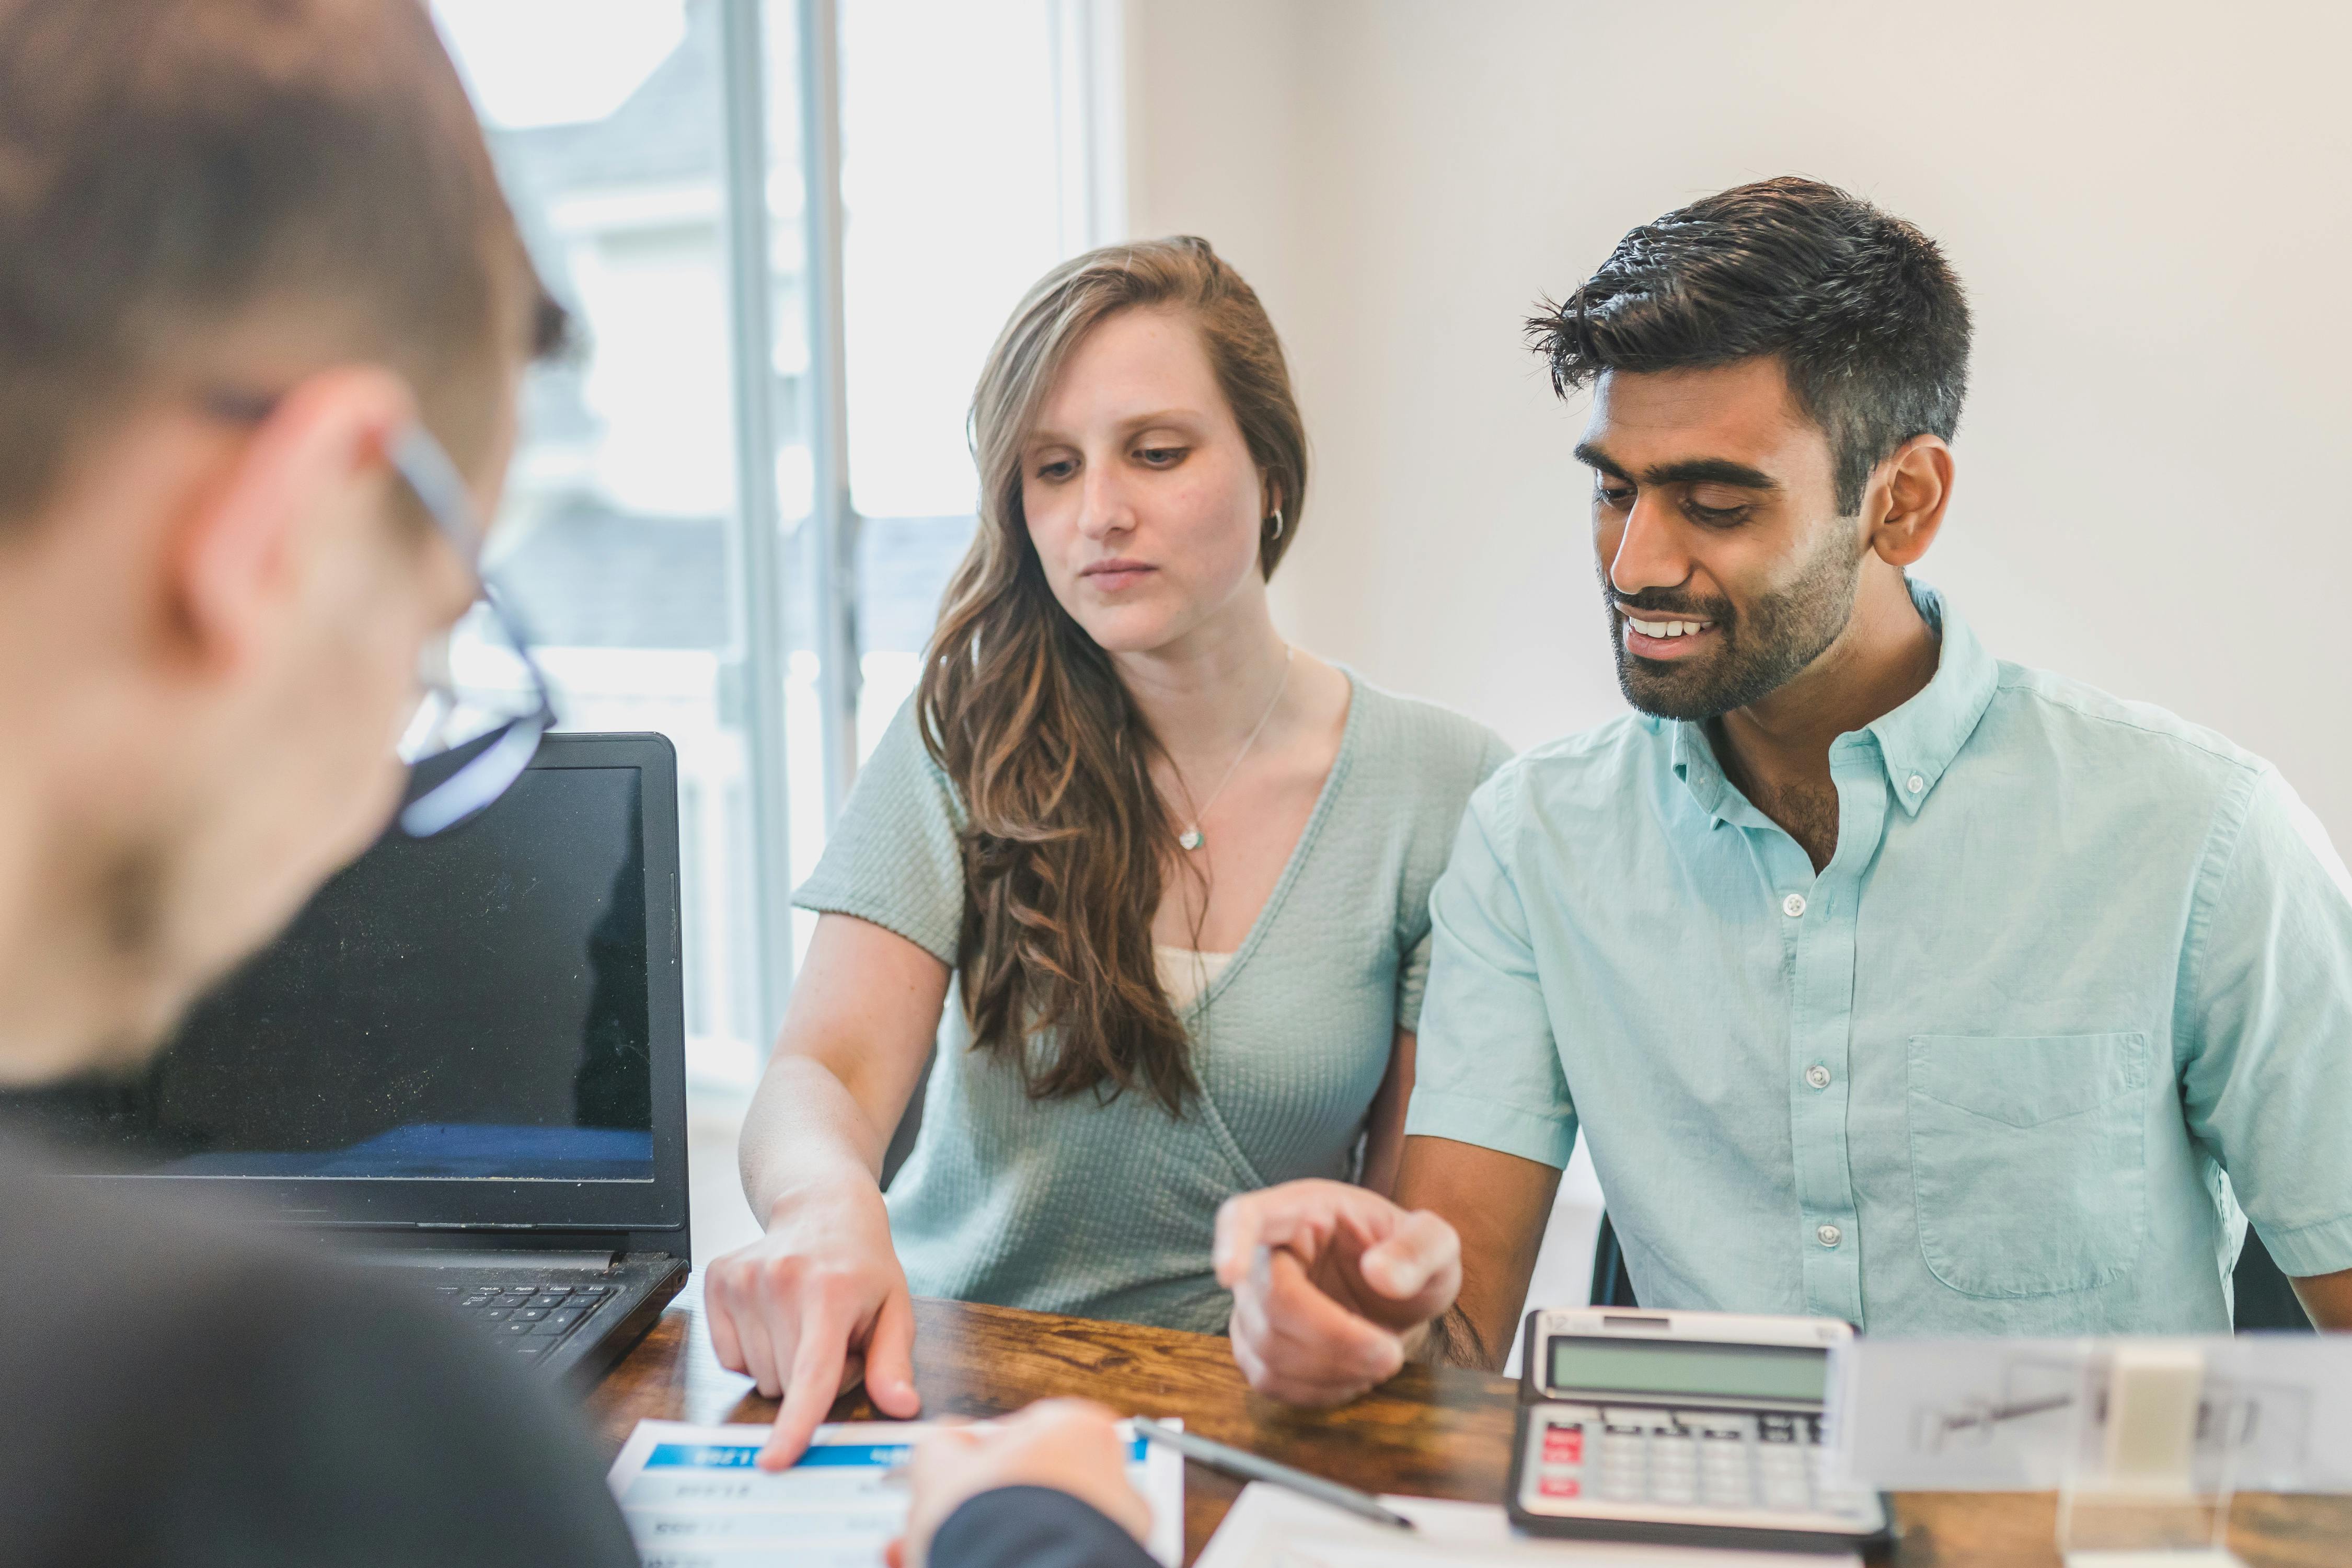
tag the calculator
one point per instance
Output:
(1694, 1429)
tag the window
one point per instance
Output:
(731, 515)
(953, 211)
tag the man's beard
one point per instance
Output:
(1761, 649)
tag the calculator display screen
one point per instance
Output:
(1687, 1367)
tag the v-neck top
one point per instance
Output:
(1106, 1207)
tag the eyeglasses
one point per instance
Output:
(449, 782)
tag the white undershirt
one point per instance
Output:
(1185, 972)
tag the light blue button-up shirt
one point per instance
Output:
(2076, 984)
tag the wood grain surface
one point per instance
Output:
(1432, 1431)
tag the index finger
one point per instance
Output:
(810, 1389)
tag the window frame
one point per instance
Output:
(1089, 72)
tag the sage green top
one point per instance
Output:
(1106, 1208)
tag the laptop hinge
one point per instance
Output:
(508, 1261)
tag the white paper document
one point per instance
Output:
(694, 1496)
(1272, 1528)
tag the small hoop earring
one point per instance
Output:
(1278, 525)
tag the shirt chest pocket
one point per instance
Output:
(2029, 1159)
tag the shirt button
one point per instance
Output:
(1915, 784)
(1817, 1076)
(1828, 1235)
(1793, 905)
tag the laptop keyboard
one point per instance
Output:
(529, 1320)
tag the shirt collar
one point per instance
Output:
(1918, 741)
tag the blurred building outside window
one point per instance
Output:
(977, 147)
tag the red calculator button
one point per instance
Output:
(1559, 1486)
(1564, 1446)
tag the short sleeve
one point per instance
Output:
(1413, 984)
(1414, 929)
(896, 856)
(1487, 1068)
(2267, 1082)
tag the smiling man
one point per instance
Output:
(1886, 981)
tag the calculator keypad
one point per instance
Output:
(1674, 1461)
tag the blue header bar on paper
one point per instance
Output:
(746, 1456)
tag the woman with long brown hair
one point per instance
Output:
(1156, 880)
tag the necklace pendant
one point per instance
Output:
(1190, 839)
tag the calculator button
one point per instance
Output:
(1559, 1486)
(1563, 1446)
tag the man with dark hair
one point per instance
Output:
(1887, 981)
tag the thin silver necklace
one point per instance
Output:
(1190, 838)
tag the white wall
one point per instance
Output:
(2149, 203)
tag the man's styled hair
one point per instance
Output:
(193, 190)
(1862, 310)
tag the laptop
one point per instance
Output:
(463, 1062)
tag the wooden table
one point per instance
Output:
(1432, 1431)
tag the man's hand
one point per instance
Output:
(1069, 1445)
(1332, 1285)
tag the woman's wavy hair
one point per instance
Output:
(1067, 839)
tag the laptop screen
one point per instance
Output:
(473, 1007)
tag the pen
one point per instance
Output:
(1252, 1467)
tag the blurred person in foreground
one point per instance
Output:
(247, 248)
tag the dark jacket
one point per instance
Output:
(1032, 1527)
(176, 1390)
